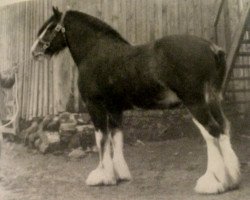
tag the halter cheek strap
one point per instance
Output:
(59, 28)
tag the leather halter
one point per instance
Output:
(59, 28)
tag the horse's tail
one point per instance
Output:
(220, 61)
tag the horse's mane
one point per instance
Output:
(93, 22)
(97, 25)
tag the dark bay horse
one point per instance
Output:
(115, 76)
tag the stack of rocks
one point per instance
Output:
(67, 131)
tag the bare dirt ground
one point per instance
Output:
(161, 170)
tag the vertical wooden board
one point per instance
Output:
(50, 71)
(123, 16)
(158, 18)
(143, 14)
(164, 17)
(131, 25)
(24, 83)
(6, 39)
(37, 64)
(170, 17)
(1, 36)
(190, 17)
(30, 66)
(98, 9)
(176, 18)
(115, 14)
(51, 82)
(21, 54)
(138, 22)
(95, 8)
(207, 19)
(55, 90)
(128, 21)
(133, 21)
(28, 71)
(73, 4)
(42, 65)
(182, 17)
(151, 27)
(197, 18)
(45, 80)
(106, 11)
(234, 14)
(46, 89)
(34, 87)
(67, 75)
(33, 63)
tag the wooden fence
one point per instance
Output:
(238, 90)
(46, 88)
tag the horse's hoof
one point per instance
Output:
(233, 170)
(122, 171)
(100, 176)
(209, 184)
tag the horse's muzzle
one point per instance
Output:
(37, 55)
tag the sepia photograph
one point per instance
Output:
(124, 99)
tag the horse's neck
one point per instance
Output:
(79, 43)
(83, 41)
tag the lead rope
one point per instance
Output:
(14, 117)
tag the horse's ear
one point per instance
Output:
(56, 12)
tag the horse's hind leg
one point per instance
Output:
(215, 179)
(229, 156)
(121, 168)
(104, 173)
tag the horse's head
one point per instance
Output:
(51, 36)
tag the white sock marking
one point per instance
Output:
(230, 158)
(98, 138)
(216, 171)
(120, 165)
(104, 173)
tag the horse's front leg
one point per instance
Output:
(104, 173)
(120, 166)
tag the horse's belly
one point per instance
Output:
(163, 100)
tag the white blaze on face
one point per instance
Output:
(33, 48)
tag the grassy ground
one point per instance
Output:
(161, 170)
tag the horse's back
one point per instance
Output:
(187, 63)
(151, 75)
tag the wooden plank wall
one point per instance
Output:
(45, 87)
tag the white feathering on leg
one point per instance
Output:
(215, 180)
(120, 165)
